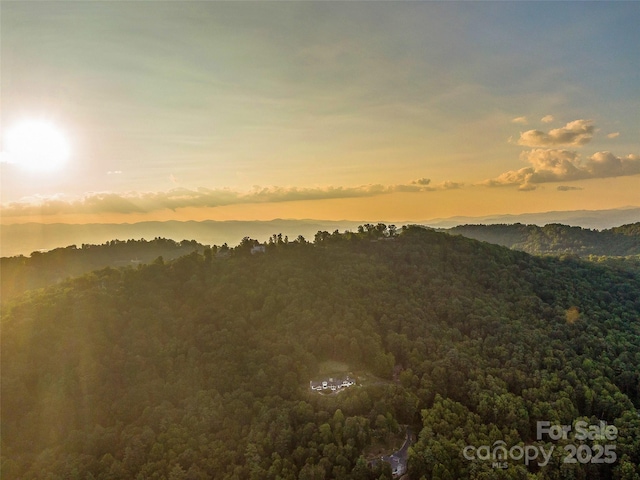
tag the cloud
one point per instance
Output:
(136, 202)
(613, 135)
(555, 165)
(114, 172)
(522, 120)
(567, 188)
(549, 165)
(606, 164)
(573, 133)
(448, 185)
(547, 119)
(422, 181)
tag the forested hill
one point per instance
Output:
(20, 273)
(199, 368)
(556, 239)
(40, 269)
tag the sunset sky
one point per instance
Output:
(130, 111)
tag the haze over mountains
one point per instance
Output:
(557, 239)
(595, 219)
(619, 246)
(22, 239)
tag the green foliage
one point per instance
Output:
(199, 367)
(40, 269)
(556, 239)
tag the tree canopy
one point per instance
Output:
(199, 367)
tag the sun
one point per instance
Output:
(36, 145)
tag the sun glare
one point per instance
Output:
(36, 145)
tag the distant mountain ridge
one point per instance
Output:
(20, 273)
(556, 239)
(22, 239)
(594, 219)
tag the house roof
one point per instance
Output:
(331, 381)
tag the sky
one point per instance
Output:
(401, 111)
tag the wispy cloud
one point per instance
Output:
(613, 135)
(547, 119)
(567, 188)
(521, 120)
(556, 165)
(573, 133)
(145, 202)
(448, 185)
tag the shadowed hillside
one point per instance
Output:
(20, 274)
(556, 239)
(200, 367)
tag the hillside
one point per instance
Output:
(24, 238)
(23, 273)
(40, 269)
(556, 239)
(200, 367)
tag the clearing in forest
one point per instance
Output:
(330, 367)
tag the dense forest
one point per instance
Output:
(199, 367)
(619, 246)
(556, 239)
(20, 273)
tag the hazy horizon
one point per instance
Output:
(25, 238)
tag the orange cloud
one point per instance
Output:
(552, 165)
(573, 133)
(136, 202)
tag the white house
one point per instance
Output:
(333, 384)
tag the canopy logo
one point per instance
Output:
(500, 455)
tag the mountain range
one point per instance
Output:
(22, 239)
